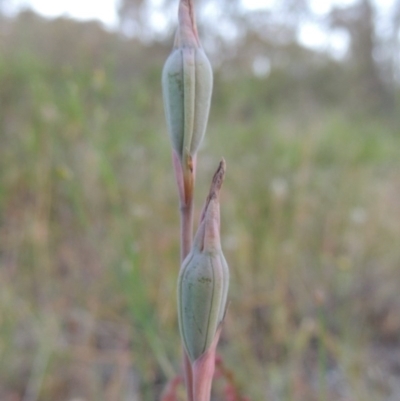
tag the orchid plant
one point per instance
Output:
(203, 281)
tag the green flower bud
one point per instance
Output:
(187, 87)
(203, 286)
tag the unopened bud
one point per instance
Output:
(187, 87)
(203, 286)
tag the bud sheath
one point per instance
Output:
(187, 82)
(203, 285)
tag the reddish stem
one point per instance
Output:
(186, 211)
(186, 214)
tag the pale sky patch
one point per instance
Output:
(310, 35)
(102, 10)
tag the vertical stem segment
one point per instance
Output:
(186, 214)
(186, 211)
(203, 372)
(185, 177)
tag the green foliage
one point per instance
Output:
(89, 240)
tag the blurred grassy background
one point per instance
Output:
(89, 240)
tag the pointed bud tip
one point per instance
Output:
(187, 24)
(212, 240)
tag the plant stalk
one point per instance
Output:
(186, 212)
(186, 216)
